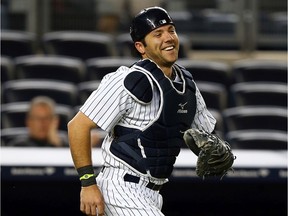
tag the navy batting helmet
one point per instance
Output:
(147, 20)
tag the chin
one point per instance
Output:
(171, 61)
(172, 58)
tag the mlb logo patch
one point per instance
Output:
(162, 21)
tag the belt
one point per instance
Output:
(136, 179)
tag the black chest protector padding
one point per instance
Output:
(162, 140)
(138, 84)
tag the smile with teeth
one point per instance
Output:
(169, 48)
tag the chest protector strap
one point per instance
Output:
(154, 149)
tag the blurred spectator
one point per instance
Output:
(42, 123)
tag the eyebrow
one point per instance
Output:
(161, 30)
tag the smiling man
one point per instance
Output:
(145, 109)
(155, 38)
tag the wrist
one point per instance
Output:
(87, 176)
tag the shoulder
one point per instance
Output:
(120, 73)
(139, 85)
(113, 79)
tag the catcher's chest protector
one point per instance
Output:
(153, 150)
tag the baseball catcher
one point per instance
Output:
(215, 157)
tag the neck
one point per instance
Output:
(168, 72)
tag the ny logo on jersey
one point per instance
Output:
(182, 110)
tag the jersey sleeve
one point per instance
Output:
(109, 102)
(203, 119)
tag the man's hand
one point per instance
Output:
(53, 135)
(92, 201)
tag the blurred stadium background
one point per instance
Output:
(237, 52)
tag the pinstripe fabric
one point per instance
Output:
(203, 118)
(126, 198)
(110, 105)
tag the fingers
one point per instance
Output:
(100, 210)
(92, 209)
(91, 201)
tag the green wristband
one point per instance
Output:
(86, 175)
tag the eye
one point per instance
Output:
(172, 30)
(158, 34)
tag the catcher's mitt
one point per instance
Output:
(215, 157)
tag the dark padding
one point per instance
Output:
(138, 84)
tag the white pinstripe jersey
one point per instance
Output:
(111, 104)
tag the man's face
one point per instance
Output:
(40, 121)
(162, 46)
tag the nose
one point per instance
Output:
(168, 36)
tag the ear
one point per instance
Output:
(140, 47)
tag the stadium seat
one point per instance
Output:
(24, 90)
(273, 23)
(216, 21)
(259, 93)
(255, 117)
(185, 46)
(14, 114)
(125, 46)
(7, 69)
(258, 139)
(17, 43)
(85, 89)
(80, 44)
(50, 67)
(8, 134)
(252, 70)
(184, 21)
(97, 68)
(210, 71)
(214, 94)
